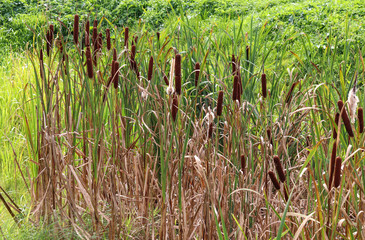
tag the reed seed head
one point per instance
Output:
(360, 116)
(116, 74)
(236, 91)
(274, 180)
(158, 36)
(95, 34)
(290, 93)
(89, 63)
(87, 28)
(345, 118)
(115, 56)
(337, 118)
(247, 53)
(337, 174)
(220, 103)
(332, 164)
(197, 72)
(150, 69)
(279, 168)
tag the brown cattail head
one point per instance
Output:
(165, 79)
(197, 72)
(89, 63)
(116, 74)
(269, 136)
(332, 164)
(236, 89)
(87, 28)
(41, 64)
(150, 69)
(337, 118)
(178, 74)
(108, 42)
(360, 116)
(263, 85)
(220, 103)
(174, 107)
(95, 34)
(76, 29)
(286, 194)
(274, 180)
(115, 54)
(233, 65)
(126, 36)
(158, 36)
(290, 93)
(47, 43)
(345, 118)
(87, 40)
(210, 130)
(243, 163)
(337, 174)
(136, 39)
(247, 53)
(133, 52)
(279, 168)
(51, 32)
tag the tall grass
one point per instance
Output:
(130, 143)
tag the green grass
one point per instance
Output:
(320, 42)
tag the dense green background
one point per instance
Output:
(19, 19)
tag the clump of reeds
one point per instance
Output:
(345, 118)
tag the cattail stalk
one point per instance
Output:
(263, 85)
(337, 176)
(345, 118)
(274, 180)
(108, 42)
(220, 103)
(178, 74)
(76, 29)
(279, 168)
(150, 69)
(174, 107)
(360, 116)
(197, 72)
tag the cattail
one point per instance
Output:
(76, 29)
(220, 103)
(289, 96)
(279, 168)
(332, 164)
(126, 36)
(107, 35)
(337, 174)
(233, 65)
(268, 132)
(95, 33)
(47, 43)
(197, 72)
(51, 34)
(274, 180)
(87, 40)
(247, 53)
(87, 28)
(345, 118)
(174, 107)
(236, 94)
(136, 39)
(263, 85)
(41, 64)
(150, 69)
(178, 74)
(165, 78)
(115, 54)
(360, 116)
(116, 74)
(133, 52)
(210, 130)
(89, 64)
(243, 163)
(286, 194)
(158, 36)
(337, 118)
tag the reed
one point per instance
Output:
(337, 173)
(76, 29)
(263, 85)
(279, 168)
(220, 103)
(274, 180)
(108, 41)
(197, 72)
(360, 116)
(178, 74)
(150, 69)
(345, 118)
